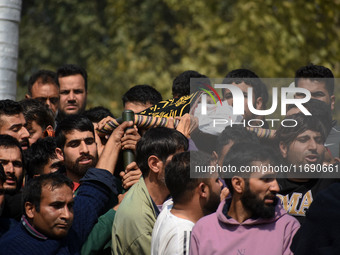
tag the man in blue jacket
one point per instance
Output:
(56, 223)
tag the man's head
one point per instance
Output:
(39, 119)
(12, 160)
(156, 147)
(12, 122)
(318, 109)
(302, 144)
(41, 157)
(140, 97)
(76, 145)
(48, 204)
(319, 80)
(43, 87)
(255, 190)
(183, 189)
(244, 79)
(72, 81)
(232, 135)
(98, 113)
(181, 84)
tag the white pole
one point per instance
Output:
(9, 41)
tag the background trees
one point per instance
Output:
(123, 43)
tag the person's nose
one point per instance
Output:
(84, 148)
(312, 144)
(48, 103)
(71, 96)
(9, 168)
(66, 214)
(274, 186)
(24, 134)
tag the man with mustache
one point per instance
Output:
(43, 87)
(302, 147)
(54, 220)
(251, 221)
(76, 146)
(72, 82)
(12, 161)
(320, 82)
(13, 123)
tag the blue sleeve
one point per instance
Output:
(90, 202)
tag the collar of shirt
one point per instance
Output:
(31, 230)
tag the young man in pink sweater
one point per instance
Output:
(251, 221)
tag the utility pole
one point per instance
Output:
(10, 11)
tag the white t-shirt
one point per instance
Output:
(170, 235)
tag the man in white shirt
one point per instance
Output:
(192, 199)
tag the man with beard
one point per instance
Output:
(251, 221)
(76, 146)
(12, 160)
(72, 82)
(302, 147)
(136, 215)
(54, 220)
(319, 80)
(12, 122)
(5, 222)
(193, 198)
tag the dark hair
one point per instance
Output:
(142, 94)
(44, 76)
(70, 123)
(10, 107)
(181, 84)
(318, 109)
(161, 142)
(32, 191)
(250, 78)
(8, 141)
(243, 154)
(316, 73)
(177, 174)
(304, 123)
(70, 69)
(38, 155)
(98, 113)
(34, 110)
(236, 134)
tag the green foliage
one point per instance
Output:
(123, 43)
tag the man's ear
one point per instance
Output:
(30, 210)
(238, 184)
(155, 164)
(283, 149)
(332, 102)
(203, 190)
(49, 131)
(259, 103)
(27, 96)
(59, 153)
(214, 157)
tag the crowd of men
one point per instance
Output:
(65, 188)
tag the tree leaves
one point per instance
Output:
(123, 43)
